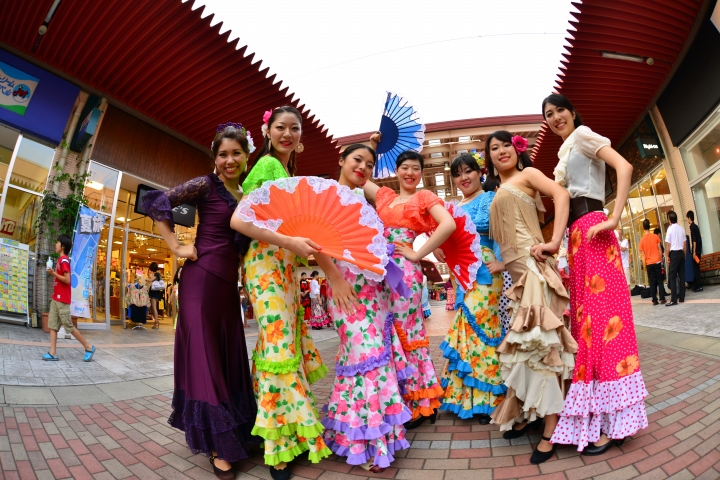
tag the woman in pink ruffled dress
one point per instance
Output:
(605, 403)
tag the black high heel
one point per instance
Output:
(539, 457)
(484, 419)
(512, 433)
(283, 474)
(591, 450)
(222, 474)
(420, 420)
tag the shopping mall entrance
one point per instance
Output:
(129, 243)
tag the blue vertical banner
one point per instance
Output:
(88, 227)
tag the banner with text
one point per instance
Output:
(88, 227)
(16, 89)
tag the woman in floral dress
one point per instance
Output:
(605, 403)
(285, 360)
(319, 317)
(471, 379)
(449, 296)
(405, 216)
(365, 414)
(536, 355)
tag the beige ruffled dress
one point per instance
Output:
(537, 354)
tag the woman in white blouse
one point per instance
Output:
(605, 403)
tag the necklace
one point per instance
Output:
(467, 199)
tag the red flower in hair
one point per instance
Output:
(520, 143)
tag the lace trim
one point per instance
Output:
(489, 341)
(409, 346)
(368, 216)
(372, 362)
(518, 193)
(283, 366)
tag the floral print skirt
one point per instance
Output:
(285, 359)
(471, 378)
(607, 394)
(365, 414)
(318, 315)
(421, 390)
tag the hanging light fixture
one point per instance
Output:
(447, 167)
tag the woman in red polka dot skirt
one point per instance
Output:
(605, 403)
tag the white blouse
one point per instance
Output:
(579, 170)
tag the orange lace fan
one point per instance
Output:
(463, 252)
(331, 215)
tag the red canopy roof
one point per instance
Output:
(162, 59)
(611, 95)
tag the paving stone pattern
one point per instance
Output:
(131, 439)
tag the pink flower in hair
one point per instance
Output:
(266, 116)
(520, 143)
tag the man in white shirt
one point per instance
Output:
(675, 256)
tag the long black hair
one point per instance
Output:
(562, 101)
(267, 149)
(505, 137)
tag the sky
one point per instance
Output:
(454, 59)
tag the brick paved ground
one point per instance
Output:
(131, 439)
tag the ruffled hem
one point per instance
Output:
(597, 397)
(409, 346)
(580, 431)
(365, 432)
(382, 461)
(283, 366)
(289, 455)
(157, 207)
(322, 321)
(464, 370)
(214, 428)
(311, 431)
(426, 410)
(435, 391)
(405, 373)
(464, 414)
(317, 374)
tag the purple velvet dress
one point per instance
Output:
(213, 401)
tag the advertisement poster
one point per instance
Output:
(13, 276)
(16, 89)
(85, 245)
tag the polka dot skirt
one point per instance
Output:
(505, 302)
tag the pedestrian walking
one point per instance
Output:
(675, 246)
(651, 255)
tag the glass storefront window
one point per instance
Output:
(634, 202)
(702, 150)
(8, 140)
(662, 189)
(647, 195)
(100, 187)
(707, 214)
(32, 165)
(19, 216)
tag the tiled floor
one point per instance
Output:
(131, 439)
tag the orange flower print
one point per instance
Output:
(474, 362)
(613, 329)
(264, 282)
(319, 443)
(493, 321)
(491, 371)
(596, 284)
(468, 330)
(578, 315)
(279, 254)
(300, 389)
(263, 245)
(498, 400)
(449, 391)
(481, 316)
(280, 419)
(612, 253)
(570, 259)
(275, 331)
(575, 240)
(492, 298)
(269, 401)
(627, 366)
(581, 373)
(586, 332)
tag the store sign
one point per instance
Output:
(17, 88)
(182, 214)
(649, 147)
(87, 128)
(8, 227)
(88, 227)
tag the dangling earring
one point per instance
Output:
(300, 148)
(245, 169)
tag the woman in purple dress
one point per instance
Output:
(213, 401)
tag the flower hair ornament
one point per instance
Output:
(480, 159)
(237, 126)
(520, 143)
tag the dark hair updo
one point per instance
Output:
(562, 101)
(505, 137)
(409, 155)
(267, 149)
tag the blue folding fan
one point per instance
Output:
(401, 130)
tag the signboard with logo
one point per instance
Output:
(182, 214)
(17, 88)
(88, 227)
(649, 147)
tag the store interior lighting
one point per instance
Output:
(95, 185)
